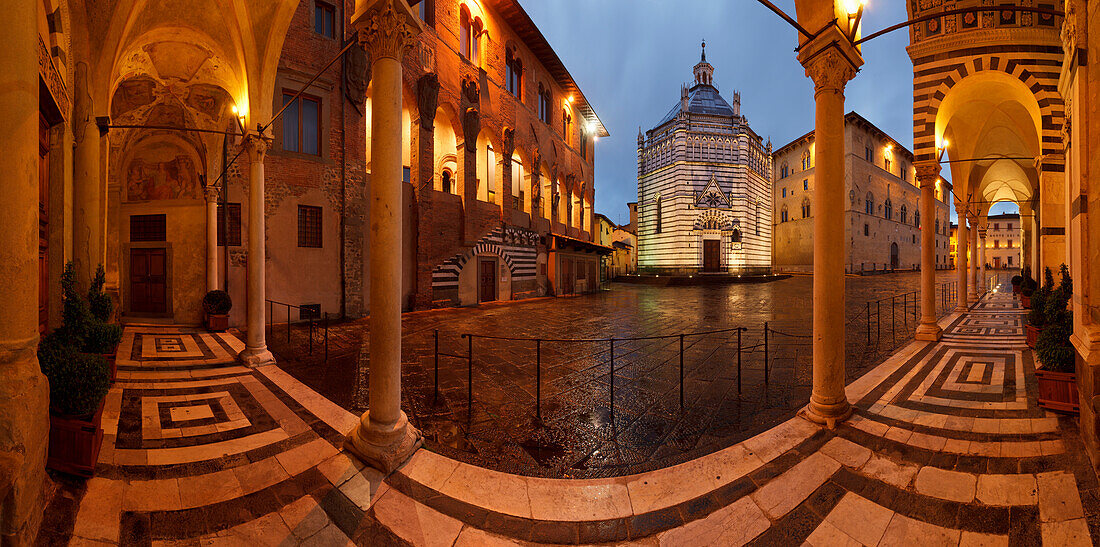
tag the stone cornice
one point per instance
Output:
(984, 37)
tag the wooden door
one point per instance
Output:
(148, 280)
(893, 256)
(712, 255)
(488, 285)
(43, 223)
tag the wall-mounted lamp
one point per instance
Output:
(855, 13)
(940, 149)
(239, 116)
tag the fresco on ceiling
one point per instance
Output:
(163, 171)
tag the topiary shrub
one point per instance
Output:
(1054, 350)
(1016, 280)
(102, 337)
(1038, 315)
(217, 302)
(78, 381)
(99, 302)
(75, 313)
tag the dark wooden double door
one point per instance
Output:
(712, 255)
(149, 280)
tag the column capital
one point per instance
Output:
(830, 60)
(928, 172)
(257, 146)
(387, 28)
(212, 193)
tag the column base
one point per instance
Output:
(383, 447)
(827, 415)
(928, 332)
(256, 357)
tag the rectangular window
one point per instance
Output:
(887, 160)
(866, 229)
(868, 154)
(309, 226)
(996, 226)
(324, 19)
(234, 222)
(406, 173)
(425, 9)
(148, 228)
(806, 184)
(302, 124)
(784, 192)
(1009, 225)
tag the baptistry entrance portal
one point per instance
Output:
(712, 255)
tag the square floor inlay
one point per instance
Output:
(185, 413)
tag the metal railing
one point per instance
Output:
(314, 320)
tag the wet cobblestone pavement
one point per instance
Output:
(492, 422)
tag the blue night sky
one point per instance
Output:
(630, 57)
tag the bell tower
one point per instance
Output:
(704, 72)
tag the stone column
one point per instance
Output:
(928, 174)
(212, 238)
(1027, 241)
(384, 438)
(972, 286)
(830, 61)
(255, 348)
(982, 284)
(962, 237)
(24, 394)
(87, 196)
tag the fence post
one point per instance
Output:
(612, 383)
(682, 371)
(905, 310)
(538, 380)
(288, 324)
(470, 376)
(738, 360)
(326, 337)
(878, 322)
(867, 306)
(435, 396)
(311, 332)
(765, 354)
(893, 318)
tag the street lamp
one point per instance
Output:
(855, 13)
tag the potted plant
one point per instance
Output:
(1027, 287)
(100, 335)
(1037, 318)
(1016, 280)
(1056, 375)
(78, 384)
(216, 305)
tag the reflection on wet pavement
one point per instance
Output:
(583, 432)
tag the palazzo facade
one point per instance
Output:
(704, 187)
(882, 217)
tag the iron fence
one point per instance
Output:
(312, 318)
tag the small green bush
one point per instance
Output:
(217, 302)
(102, 337)
(78, 381)
(99, 302)
(1038, 315)
(1054, 350)
(1016, 280)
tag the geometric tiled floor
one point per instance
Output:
(947, 446)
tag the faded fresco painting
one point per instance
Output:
(163, 172)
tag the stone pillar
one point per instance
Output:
(928, 174)
(88, 222)
(24, 394)
(830, 61)
(211, 238)
(972, 284)
(1052, 213)
(255, 348)
(982, 284)
(467, 160)
(423, 178)
(384, 438)
(504, 174)
(1027, 240)
(962, 238)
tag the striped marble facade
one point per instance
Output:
(514, 245)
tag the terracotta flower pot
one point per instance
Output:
(1033, 335)
(1025, 300)
(74, 442)
(1058, 390)
(111, 366)
(217, 322)
(1016, 289)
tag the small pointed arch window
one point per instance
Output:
(869, 204)
(513, 72)
(735, 237)
(888, 209)
(904, 214)
(806, 208)
(783, 214)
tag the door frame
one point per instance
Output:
(127, 295)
